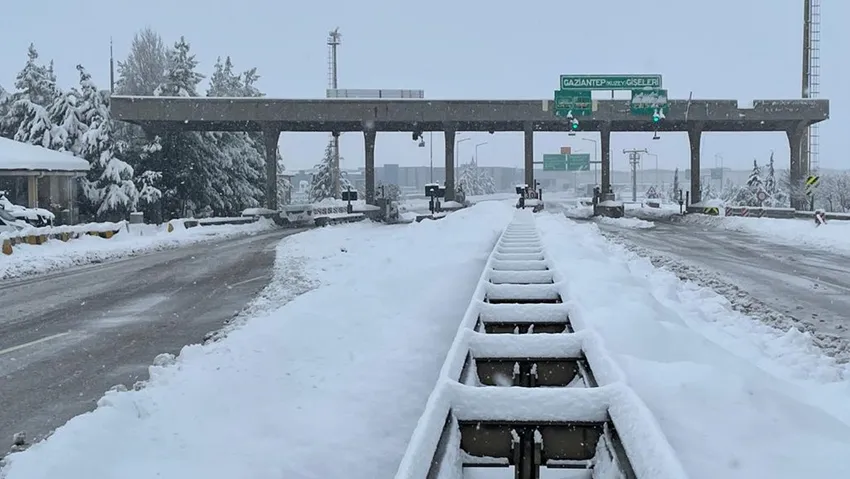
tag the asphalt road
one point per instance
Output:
(67, 337)
(812, 285)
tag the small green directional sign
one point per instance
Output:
(577, 102)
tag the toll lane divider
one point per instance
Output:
(526, 386)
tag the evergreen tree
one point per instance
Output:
(754, 182)
(145, 67)
(770, 179)
(186, 158)
(109, 186)
(68, 127)
(474, 180)
(240, 164)
(321, 184)
(27, 119)
(674, 195)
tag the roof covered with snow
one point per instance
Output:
(15, 155)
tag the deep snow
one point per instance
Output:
(735, 398)
(329, 385)
(131, 240)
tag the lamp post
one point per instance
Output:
(476, 150)
(457, 156)
(595, 161)
(656, 167)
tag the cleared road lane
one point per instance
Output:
(67, 337)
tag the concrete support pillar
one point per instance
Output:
(270, 139)
(605, 146)
(369, 144)
(797, 135)
(695, 140)
(529, 155)
(449, 136)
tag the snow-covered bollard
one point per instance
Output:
(820, 218)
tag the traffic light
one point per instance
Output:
(574, 124)
(658, 115)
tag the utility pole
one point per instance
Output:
(634, 161)
(111, 69)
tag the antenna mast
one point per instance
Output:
(811, 79)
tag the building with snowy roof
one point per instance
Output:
(41, 178)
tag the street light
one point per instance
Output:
(595, 161)
(476, 150)
(656, 167)
(457, 155)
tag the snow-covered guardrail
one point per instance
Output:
(488, 409)
(38, 236)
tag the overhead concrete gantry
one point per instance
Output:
(273, 116)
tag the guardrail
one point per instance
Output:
(39, 236)
(192, 222)
(569, 407)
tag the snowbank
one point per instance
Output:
(735, 398)
(130, 240)
(835, 235)
(328, 386)
(629, 223)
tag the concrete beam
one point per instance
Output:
(250, 114)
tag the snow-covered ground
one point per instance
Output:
(329, 385)
(835, 235)
(735, 398)
(132, 240)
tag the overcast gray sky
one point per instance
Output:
(734, 49)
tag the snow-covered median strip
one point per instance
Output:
(735, 398)
(138, 239)
(329, 385)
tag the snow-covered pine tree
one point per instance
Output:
(27, 119)
(68, 127)
(321, 183)
(240, 163)
(186, 157)
(754, 182)
(109, 186)
(474, 180)
(674, 195)
(770, 179)
(284, 185)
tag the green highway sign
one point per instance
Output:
(576, 101)
(609, 82)
(578, 162)
(646, 102)
(555, 162)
